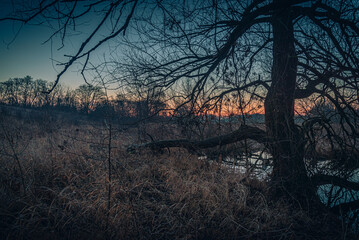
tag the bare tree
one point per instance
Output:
(275, 52)
(89, 96)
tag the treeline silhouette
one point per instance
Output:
(86, 99)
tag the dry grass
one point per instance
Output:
(168, 196)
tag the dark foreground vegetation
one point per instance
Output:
(56, 184)
(277, 57)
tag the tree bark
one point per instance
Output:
(287, 146)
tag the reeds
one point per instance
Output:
(65, 173)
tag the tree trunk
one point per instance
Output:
(289, 173)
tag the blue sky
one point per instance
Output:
(25, 54)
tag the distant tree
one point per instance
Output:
(149, 104)
(121, 105)
(18, 91)
(25, 88)
(11, 88)
(39, 98)
(27, 92)
(68, 100)
(2, 93)
(88, 97)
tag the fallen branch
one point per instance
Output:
(244, 132)
(346, 207)
(322, 179)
